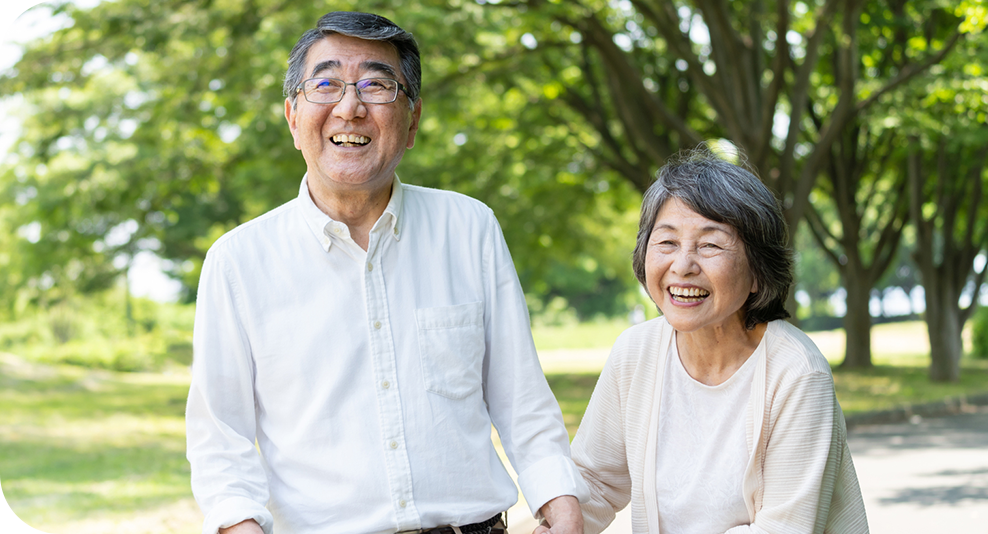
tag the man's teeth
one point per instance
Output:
(350, 140)
(689, 294)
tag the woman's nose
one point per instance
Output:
(684, 261)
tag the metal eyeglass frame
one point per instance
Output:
(301, 89)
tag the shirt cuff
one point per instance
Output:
(549, 478)
(234, 510)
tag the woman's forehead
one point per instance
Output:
(677, 215)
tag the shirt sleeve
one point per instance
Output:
(802, 459)
(520, 403)
(228, 480)
(600, 453)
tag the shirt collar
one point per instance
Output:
(323, 226)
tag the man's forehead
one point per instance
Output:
(336, 51)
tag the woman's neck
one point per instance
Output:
(712, 355)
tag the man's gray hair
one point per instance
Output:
(362, 26)
(730, 194)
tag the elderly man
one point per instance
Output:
(365, 335)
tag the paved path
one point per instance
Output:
(930, 475)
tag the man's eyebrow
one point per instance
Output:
(379, 66)
(325, 65)
(370, 65)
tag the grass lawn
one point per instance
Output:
(102, 452)
(900, 353)
(97, 452)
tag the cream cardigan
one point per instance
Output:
(799, 478)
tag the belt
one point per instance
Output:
(493, 525)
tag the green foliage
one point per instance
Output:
(979, 333)
(95, 332)
(158, 126)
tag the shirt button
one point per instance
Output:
(336, 230)
(370, 267)
(385, 384)
(396, 231)
(402, 503)
(377, 325)
(393, 444)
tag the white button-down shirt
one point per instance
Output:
(369, 380)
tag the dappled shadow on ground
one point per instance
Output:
(963, 431)
(938, 496)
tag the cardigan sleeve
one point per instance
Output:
(803, 458)
(600, 453)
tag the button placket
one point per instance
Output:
(397, 463)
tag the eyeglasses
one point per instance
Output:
(369, 90)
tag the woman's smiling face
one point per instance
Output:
(696, 270)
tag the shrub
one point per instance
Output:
(979, 333)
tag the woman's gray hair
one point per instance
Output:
(362, 26)
(729, 194)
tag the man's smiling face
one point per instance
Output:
(352, 145)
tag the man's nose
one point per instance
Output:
(350, 107)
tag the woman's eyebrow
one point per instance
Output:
(703, 229)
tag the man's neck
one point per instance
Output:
(358, 209)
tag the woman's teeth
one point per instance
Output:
(688, 294)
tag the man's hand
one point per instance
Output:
(251, 527)
(562, 516)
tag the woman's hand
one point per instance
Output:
(562, 516)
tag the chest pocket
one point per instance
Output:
(451, 348)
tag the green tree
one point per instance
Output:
(793, 83)
(945, 167)
(862, 241)
(159, 126)
(862, 182)
(652, 77)
(949, 203)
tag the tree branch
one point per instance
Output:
(909, 72)
(821, 233)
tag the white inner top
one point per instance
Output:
(702, 449)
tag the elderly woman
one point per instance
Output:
(718, 416)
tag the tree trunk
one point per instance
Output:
(943, 323)
(857, 321)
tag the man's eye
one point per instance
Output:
(323, 85)
(374, 85)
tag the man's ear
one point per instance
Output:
(290, 112)
(414, 126)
